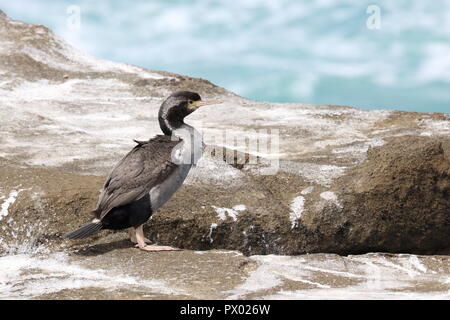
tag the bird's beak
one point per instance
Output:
(200, 103)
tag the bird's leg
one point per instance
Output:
(132, 234)
(143, 246)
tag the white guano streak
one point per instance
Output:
(9, 201)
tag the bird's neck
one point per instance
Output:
(178, 129)
(170, 126)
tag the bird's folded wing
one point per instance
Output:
(133, 177)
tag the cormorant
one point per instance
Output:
(149, 174)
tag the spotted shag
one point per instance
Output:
(149, 174)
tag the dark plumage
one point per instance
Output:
(149, 174)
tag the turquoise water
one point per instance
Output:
(318, 52)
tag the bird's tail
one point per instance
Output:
(85, 231)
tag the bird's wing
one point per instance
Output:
(145, 166)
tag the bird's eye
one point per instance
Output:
(190, 102)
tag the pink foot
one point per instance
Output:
(153, 248)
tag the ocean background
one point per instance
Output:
(320, 52)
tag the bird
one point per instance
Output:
(147, 177)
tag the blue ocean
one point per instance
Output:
(384, 54)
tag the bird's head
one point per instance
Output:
(178, 106)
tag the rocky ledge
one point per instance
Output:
(346, 180)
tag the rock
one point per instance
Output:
(43, 204)
(345, 180)
(398, 200)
